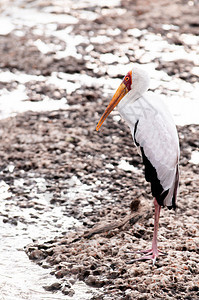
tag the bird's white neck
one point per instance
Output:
(133, 105)
(134, 109)
(140, 84)
(130, 98)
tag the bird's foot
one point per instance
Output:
(152, 254)
(151, 251)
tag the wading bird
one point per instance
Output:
(155, 135)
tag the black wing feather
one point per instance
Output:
(151, 176)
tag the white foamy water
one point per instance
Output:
(8, 76)
(31, 17)
(194, 158)
(6, 26)
(12, 103)
(124, 165)
(21, 278)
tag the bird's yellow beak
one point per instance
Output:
(119, 94)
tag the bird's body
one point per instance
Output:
(155, 134)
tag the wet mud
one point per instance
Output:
(96, 178)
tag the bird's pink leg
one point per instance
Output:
(153, 252)
(155, 233)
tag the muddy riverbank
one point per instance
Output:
(60, 63)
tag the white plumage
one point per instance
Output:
(154, 132)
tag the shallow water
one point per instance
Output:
(21, 278)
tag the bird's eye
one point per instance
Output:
(127, 78)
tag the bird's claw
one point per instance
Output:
(139, 259)
(150, 251)
(151, 255)
(147, 257)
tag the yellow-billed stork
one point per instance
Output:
(155, 134)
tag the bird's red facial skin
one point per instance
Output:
(128, 80)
